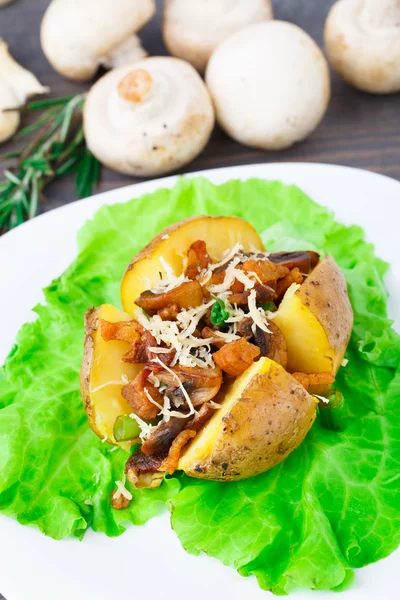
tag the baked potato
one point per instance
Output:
(219, 234)
(103, 373)
(265, 414)
(225, 345)
(316, 320)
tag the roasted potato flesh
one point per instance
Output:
(265, 414)
(171, 246)
(104, 373)
(316, 320)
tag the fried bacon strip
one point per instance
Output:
(142, 470)
(187, 295)
(198, 259)
(170, 463)
(141, 340)
(135, 394)
(201, 384)
(234, 358)
(308, 380)
(294, 276)
(215, 340)
(265, 270)
(123, 331)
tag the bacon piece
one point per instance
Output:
(308, 380)
(170, 463)
(123, 331)
(186, 295)
(201, 384)
(294, 276)
(120, 502)
(142, 470)
(234, 358)
(265, 270)
(208, 333)
(198, 259)
(205, 413)
(169, 313)
(141, 339)
(134, 393)
(160, 440)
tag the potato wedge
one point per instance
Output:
(103, 373)
(265, 415)
(219, 233)
(316, 320)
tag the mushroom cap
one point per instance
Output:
(270, 85)
(362, 40)
(149, 118)
(79, 35)
(192, 29)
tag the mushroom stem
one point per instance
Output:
(130, 50)
(135, 85)
(16, 85)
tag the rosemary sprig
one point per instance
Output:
(56, 147)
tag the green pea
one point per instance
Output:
(334, 413)
(126, 428)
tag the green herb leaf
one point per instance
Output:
(57, 148)
(219, 312)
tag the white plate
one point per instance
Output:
(148, 561)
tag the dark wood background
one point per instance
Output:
(358, 130)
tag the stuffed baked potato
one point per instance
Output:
(216, 356)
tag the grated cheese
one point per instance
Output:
(257, 314)
(146, 429)
(322, 398)
(123, 381)
(121, 490)
(154, 380)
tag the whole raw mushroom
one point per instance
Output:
(362, 40)
(270, 85)
(78, 36)
(149, 118)
(193, 29)
(16, 86)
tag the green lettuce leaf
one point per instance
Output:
(333, 505)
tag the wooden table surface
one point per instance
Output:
(358, 130)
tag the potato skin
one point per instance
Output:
(270, 419)
(325, 293)
(151, 246)
(91, 324)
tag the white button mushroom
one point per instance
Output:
(16, 85)
(78, 36)
(270, 85)
(193, 29)
(149, 118)
(362, 39)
